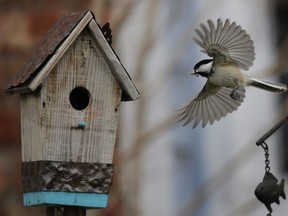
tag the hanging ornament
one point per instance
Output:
(269, 190)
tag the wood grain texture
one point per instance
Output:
(50, 125)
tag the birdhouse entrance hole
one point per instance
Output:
(79, 98)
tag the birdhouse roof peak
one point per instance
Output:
(53, 46)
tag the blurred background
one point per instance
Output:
(162, 168)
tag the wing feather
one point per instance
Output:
(202, 42)
(225, 102)
(205, 111)
(213, 110)
(212, 31)
(211, 105)
(207, 34)
(239, 51)
(219, 105)
(228, 42)
(229, 32)
(199, 114)
(219, 31)
(238, 40)
(225, 31)
(236, 35)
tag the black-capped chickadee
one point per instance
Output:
(231, 50)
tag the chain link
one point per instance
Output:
(267, 161)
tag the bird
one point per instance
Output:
(231, 51)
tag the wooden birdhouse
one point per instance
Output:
(70, 93)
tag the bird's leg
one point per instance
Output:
(234, 95)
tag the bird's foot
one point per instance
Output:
(234, 95)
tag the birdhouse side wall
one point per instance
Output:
(32, 134)
(53, 129)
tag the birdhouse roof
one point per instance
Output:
(53, 46)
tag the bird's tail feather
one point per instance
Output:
(266, 85)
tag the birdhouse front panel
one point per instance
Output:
(73, 115)
(69, 124)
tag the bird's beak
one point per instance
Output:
(194, 73)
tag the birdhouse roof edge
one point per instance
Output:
(51, 48)
(57, 33)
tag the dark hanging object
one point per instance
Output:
(269, 190)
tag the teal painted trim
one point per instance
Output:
(88, 200)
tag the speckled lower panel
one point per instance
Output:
(66, 176)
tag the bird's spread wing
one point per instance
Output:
(227, 42)
(211, 104)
